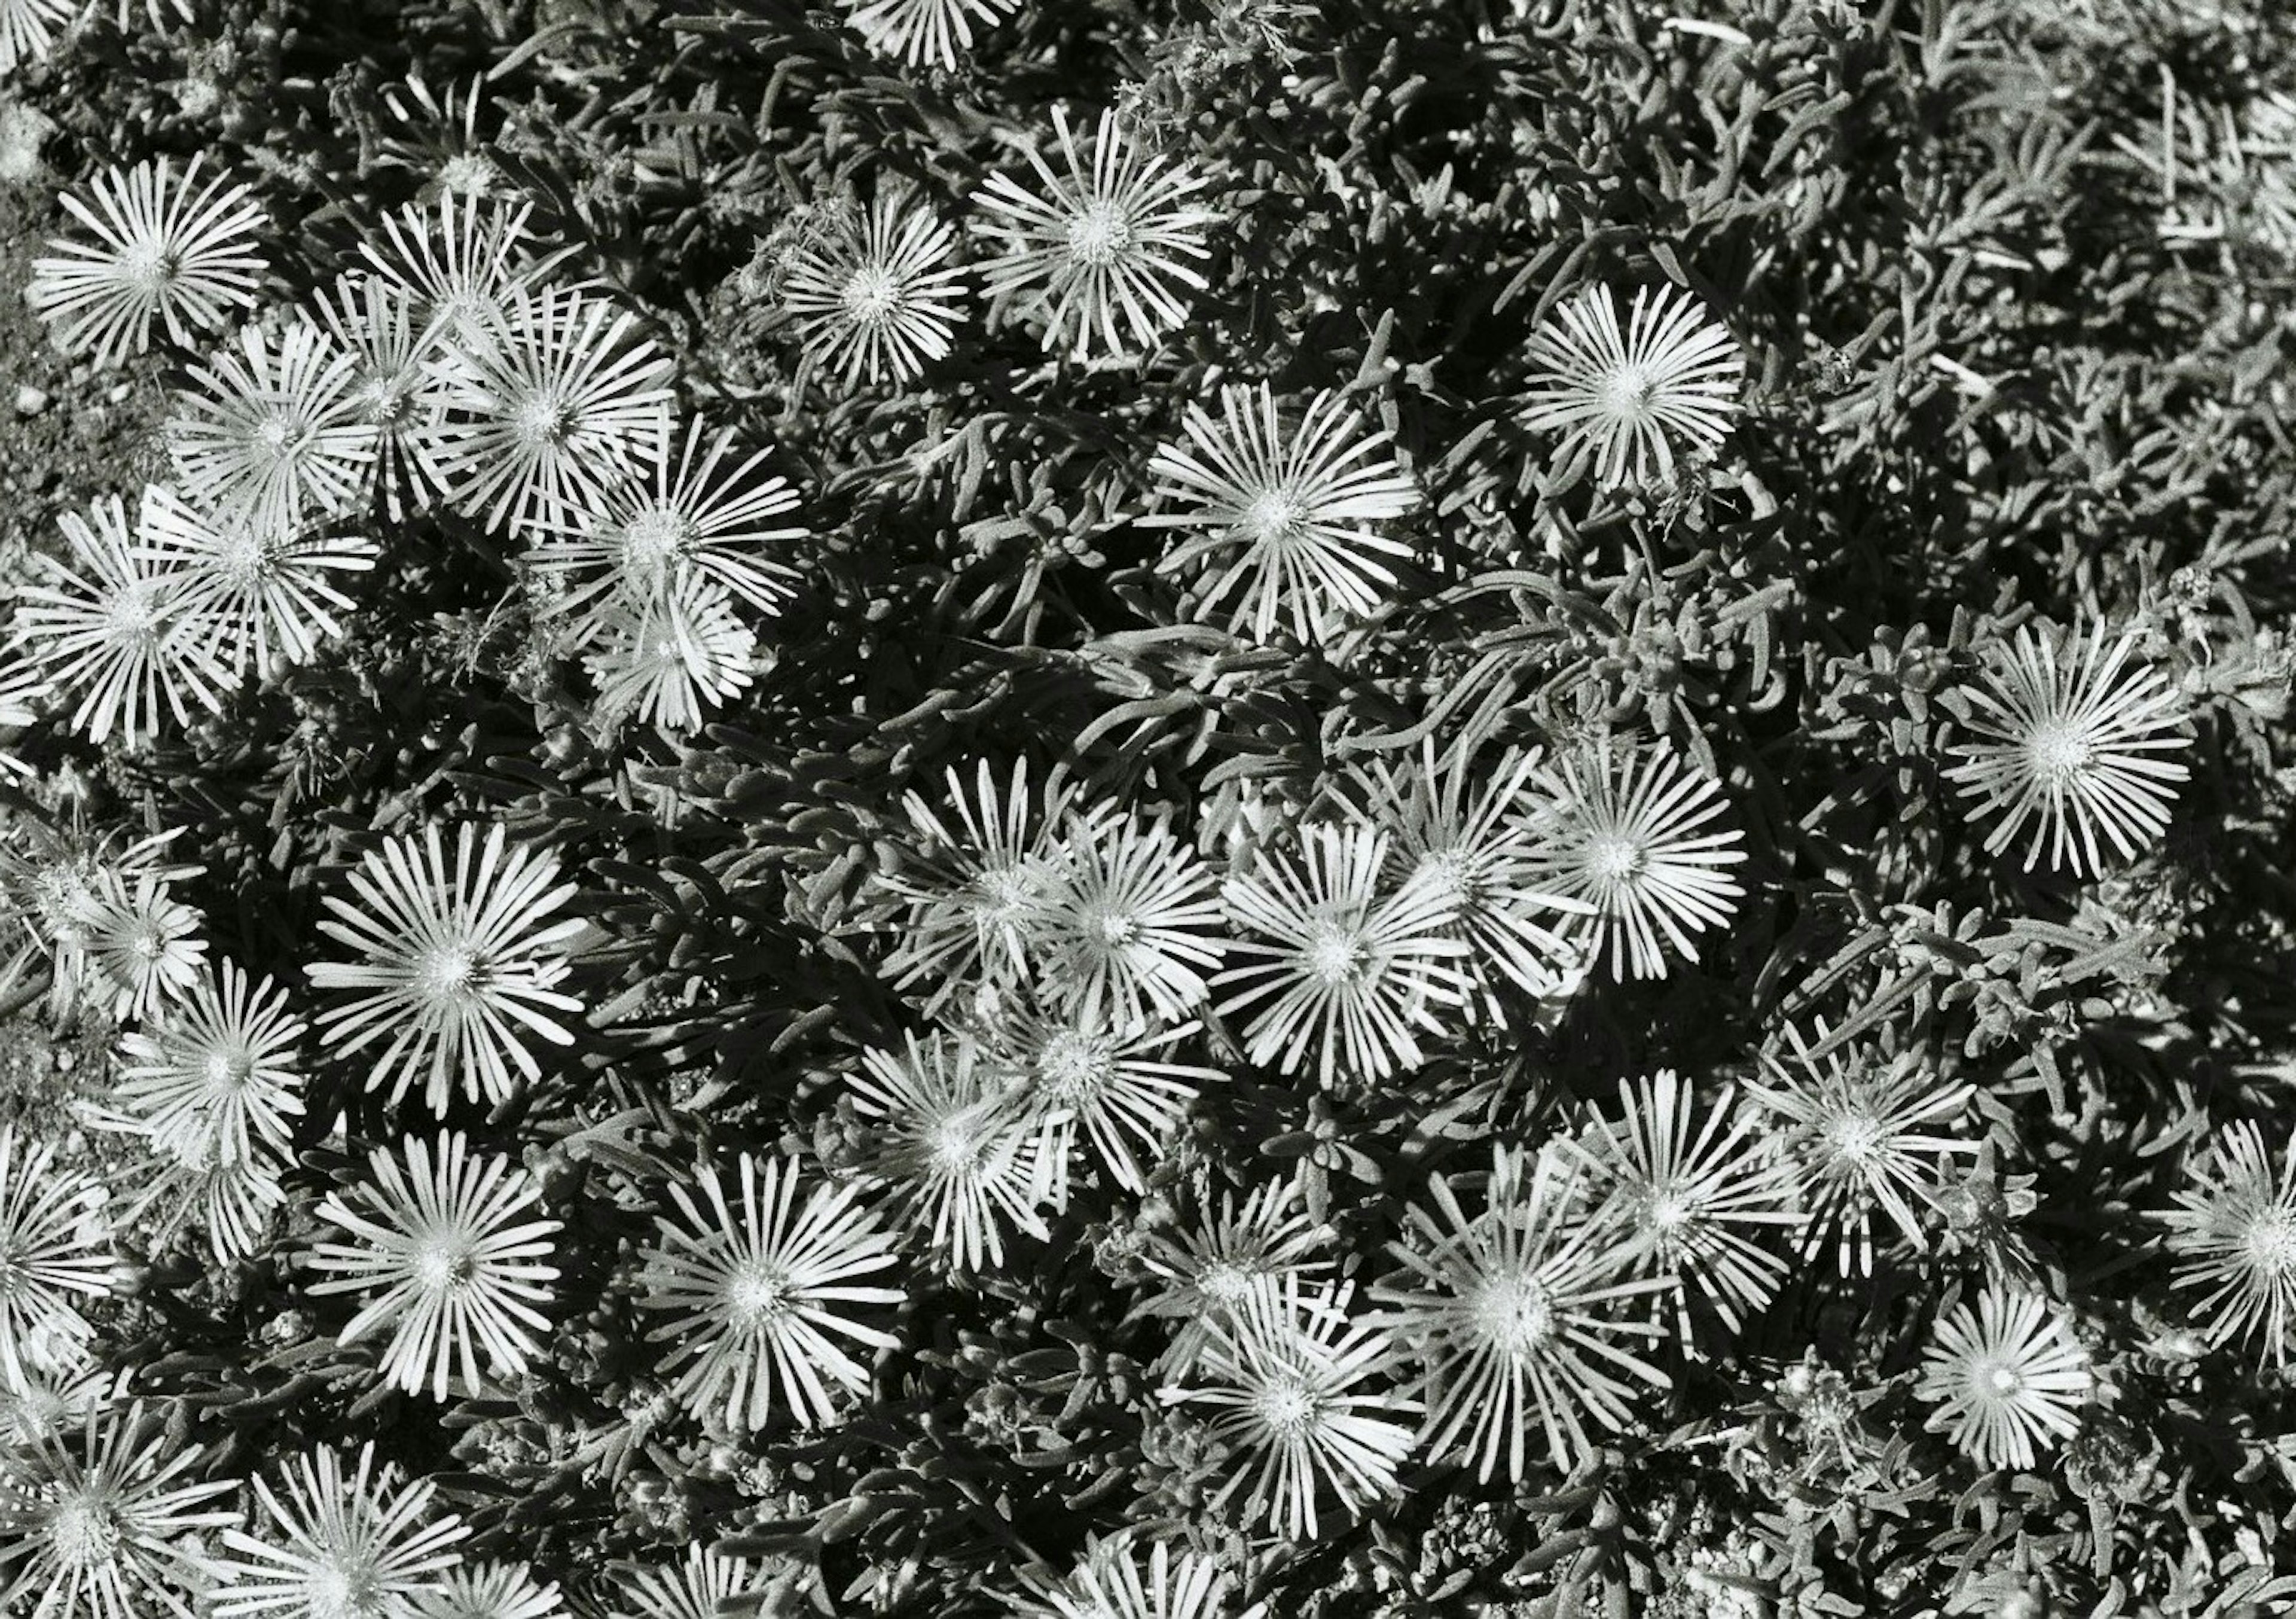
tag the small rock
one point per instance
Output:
(120, 390)
(30, 401)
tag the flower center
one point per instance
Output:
(228, 1067)
(1335, 955)
(1626, 393)
(2271, 1242)
(953, 1145)
(2057, 750)
(1075, 1066)
(149, 266)
(1225, 1282)
(1287, 1405)
(758, 1295)
(445, 1266)
(468, 174)
(85, 1531)
(282, 434)
(2001, 1382)
(1514, 1314)
(132, 615)
(543, 421)
(1855, 1136)
(344, 1587)
(872, 295)
(1007, 893)
(656, 538)
(1273, 516)
(1616, 858)
(1099, 235)
(448, 972)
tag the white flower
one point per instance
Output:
(449, 1260)
(468, 264)
(490, 1591)
(2233, 1234)
(695, 1589)
(51, 1251)
(250, 597)
(765, 1292)
(1635, 397)
(232, 1200)
(2007, 1377)
(923, 32)
(107, 1529)
(1511, 1316)
(1099, 252)
(337, 1546)
(396, 396)
(667, 659)
(1112, 1582)
(1212, 1274)
(269, 434)
(1287, 514)
(1102, 1080)
(1624, 830)
(163, 250)
(457, 967)
(1287, 1387)
(442, 143)
(28, 30)
(143, 944)
(1346, 975)
(873, 295)
(2070, 733)
(217, 1072)
(1129, 924)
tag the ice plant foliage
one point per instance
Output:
(1634, 394)
(2070, 737)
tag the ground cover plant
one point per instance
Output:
(1074, 808)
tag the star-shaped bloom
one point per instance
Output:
(874, 294)
(1636, 395)
(337, 1543)
(2007, 1378)
(2233, 1238)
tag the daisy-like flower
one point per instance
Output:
(669, 660)
(1287, 1387)
(1512, 1316)
(54, 879)
(1211, 1276)
(1689, 1187)
(166, 249)
(394, 395)
(338, 1545)
(51, 1407)
(2233, 1234)
(1099, 252)
(143, 943)
(691, 520)
(695, 1589)
(253, 597)
(1113, 1581)
(2007, 1376)
(552, 415)
(1858, 1145)
(268, 433)
(873, 295)
(764, 1294)
(52, 1252)
(450, 1259)
(1131, 922)
(1285, 516)
(217, 1072)
(2071, 733)
(441, 142)
(1103, 1080)
(110, 633)
(1626, 831)
(1634, 396)
(28, 30)
(923, 33)
(952, 1140)
(1463, 838)
(1345, 975)
(106, 1529)
(457, 965)
(232, 1201)
(980, 893)
(469, 264)
(490, 1591)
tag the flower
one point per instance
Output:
(1235, 1259)
(489, 1590)
(979, 895)
(143, 942)
(270, 434)
(1286, 1385)
(250, 597)
(1286, 515)
(949, 1138)
(1463, 840)
(112, 632)
(52, 1242)
(1111, 1582)
(1688, 1190)
(872, 294)
(1855, 1142)
(685, 524)
(1508, 1315)
(2006, 1376)
(217, 1072)
(2069, 730)
(371, 319)
(233, 1199)
(1101, 1078)
(668, 661)
(1105, 241)
(163, 250)
(2232, 1233)
(447, 1260)
(466, 262)
(442, 144)
(1345, 971)
(28, 30)
(1622, 831)
(359, 1546)
(457, 968)
(923, 33)
(1127, 923)
(1634, 398)
(763, 1293)
(552, 415)
(695, 1589)
(103, 1529)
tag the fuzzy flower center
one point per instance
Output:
(2001, 1381)
(953, 1145)
(543, 421)
(448, 972)
(149, 267)
(1074, 1066)
(1225, 1282)
(758, 1295)
(132, 616)
(1626, 393)
(871, 296)
(1274, 515)
(1855, 1137)
(655, 539)
(2058, 750)
(1514, 1313)
(2271, 1242)
(1335, 955)
(282, 434)
(228, 1068)
(345, 1588)
(1616, 858)
(445, 1265)
(1100, 234)
(85, 1531)
(1287, 1405)
(468, 174)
